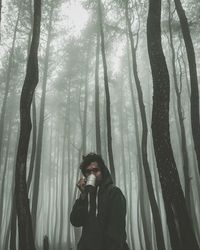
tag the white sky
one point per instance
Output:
(74, 15)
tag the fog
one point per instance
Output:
(70, 109)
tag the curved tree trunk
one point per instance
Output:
(26, 239)
(108, 115)
(180, 228)
(152, 199)
(185, 157)
(194, 98)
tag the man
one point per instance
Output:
(101, 210)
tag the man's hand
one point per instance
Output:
(81, 184)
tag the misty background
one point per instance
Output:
(70, 101)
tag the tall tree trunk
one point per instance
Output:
(40, 127)
(180, 228)
(185, 158)
(194, 98)
(26, 239)
(97, 110)
(152, 199)
(141, 207)
(108, 115)
(7, 86)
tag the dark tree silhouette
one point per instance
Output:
(194, 98)
(185, 156)
(26, 240)
(180, 229)
(107, 93)
(152, 199)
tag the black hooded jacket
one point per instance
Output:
(102, 217)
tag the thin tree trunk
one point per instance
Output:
(194, 98)
(180, 116)
(40, 127)
(152, 199)
(97, 110)
(141, 201)
(26, 239)
(180, 228)
(108, 115)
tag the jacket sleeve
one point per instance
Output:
(115, 230)
(79, 212)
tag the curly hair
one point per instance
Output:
(92, 157)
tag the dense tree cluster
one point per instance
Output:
(119, 78)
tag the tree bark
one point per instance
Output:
(152, 199)
(108, 115)
(26, 239)
(194, 98)
(180, 228)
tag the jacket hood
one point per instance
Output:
(93, 157)
(107, 178)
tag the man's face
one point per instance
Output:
(94, 169)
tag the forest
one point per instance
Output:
(115, 77)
